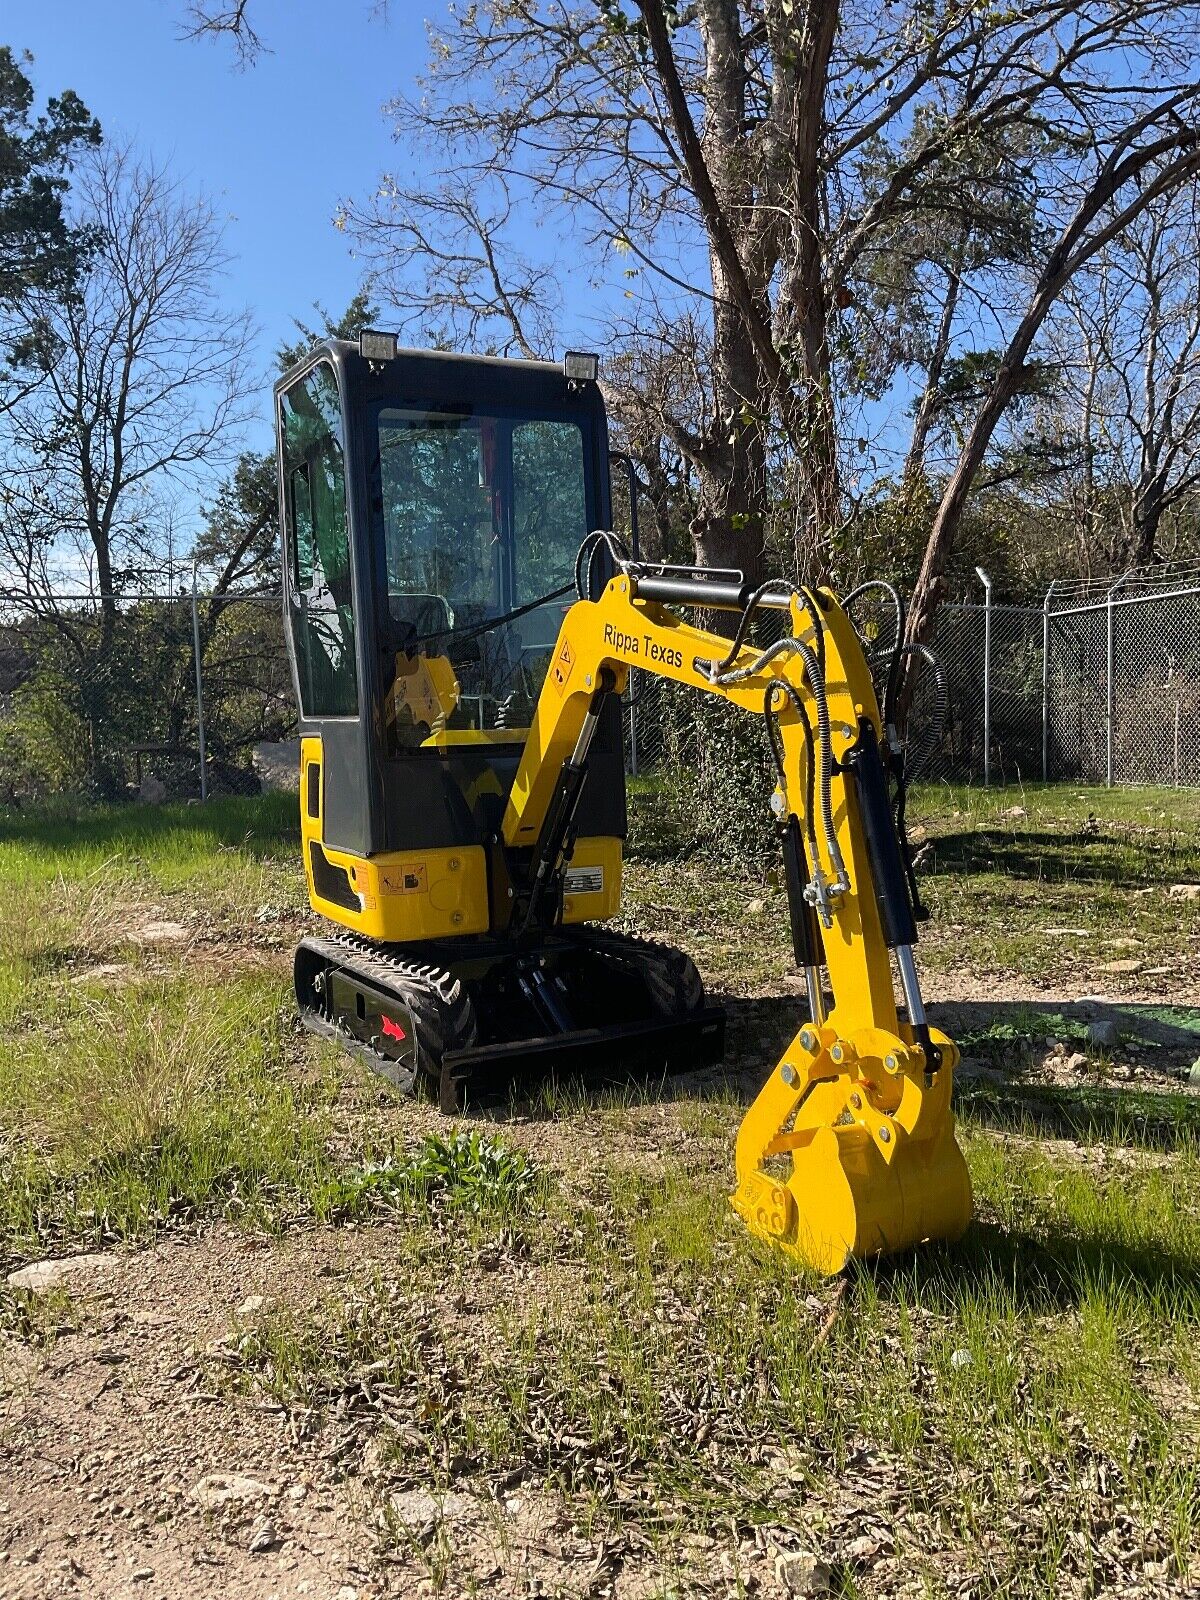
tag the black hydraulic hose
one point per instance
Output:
(599, 537)
(816, 683)
(897, 645)
(941, 707)
(756, 599)
(775, 740)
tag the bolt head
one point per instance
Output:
(856, 1101)
(808, 1039)
(890, 1063)
(837, 1053)
(789, 1074)
(885, 1135)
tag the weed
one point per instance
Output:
(461, 1171)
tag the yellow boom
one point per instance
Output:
(848, 1149)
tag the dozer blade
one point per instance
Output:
(599, 1055)
(853, 1156)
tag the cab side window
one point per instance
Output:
(321, 611)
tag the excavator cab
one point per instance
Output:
(433, 507)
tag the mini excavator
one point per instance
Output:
(461, 627)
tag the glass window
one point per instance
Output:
(549, 511)
(322, 610)
(480, 515)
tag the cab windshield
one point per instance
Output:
(480, 515)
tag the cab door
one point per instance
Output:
(320, 600)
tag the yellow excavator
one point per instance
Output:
(461, 626)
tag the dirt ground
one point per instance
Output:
(130, 1466)
(126, 1473)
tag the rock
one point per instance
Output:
(250, 1306)
(755, 908)
(1102, 1034)
(1194, 1074)
(1184, 891)
(107, 969)
(153, 791)
(1077, 1062)
(347, 1592)
(263, 1537)
(971, 1070)
(800, 1573)
(417, 1508)
(1130, 964)
(160, 933)
(216, 1490)
(962, 1358)
(41, 1276)
(1014, 811)
(141, 1575)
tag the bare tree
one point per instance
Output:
(143, 384)
(756, 165)
(1130, 332)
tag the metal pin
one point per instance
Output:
(789, 1074)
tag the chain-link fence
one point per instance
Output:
(161, 694)
(1100, 683)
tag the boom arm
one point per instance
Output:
(860, 1102)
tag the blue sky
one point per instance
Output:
(276, 145)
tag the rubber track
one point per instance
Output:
(669, 973)
(441, 1008)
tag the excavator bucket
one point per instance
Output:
(849, 1150)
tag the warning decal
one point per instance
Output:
(563, 663)
(411, 879)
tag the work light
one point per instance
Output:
(581, 367)
(376, 346)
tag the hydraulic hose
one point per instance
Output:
(816, 683)
(941, 707)
(773, 585)
(897, 649)
(775, 740)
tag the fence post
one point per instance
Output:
(1046, 682)
(633, 749)
(199, 689)
(987, 675)
(1109, 689)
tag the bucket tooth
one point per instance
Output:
(870, 1174)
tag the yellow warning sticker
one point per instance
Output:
(412, 879)
(563, 663)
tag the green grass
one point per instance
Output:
(153, 1104)
(1097, 862)
(567, 1296)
